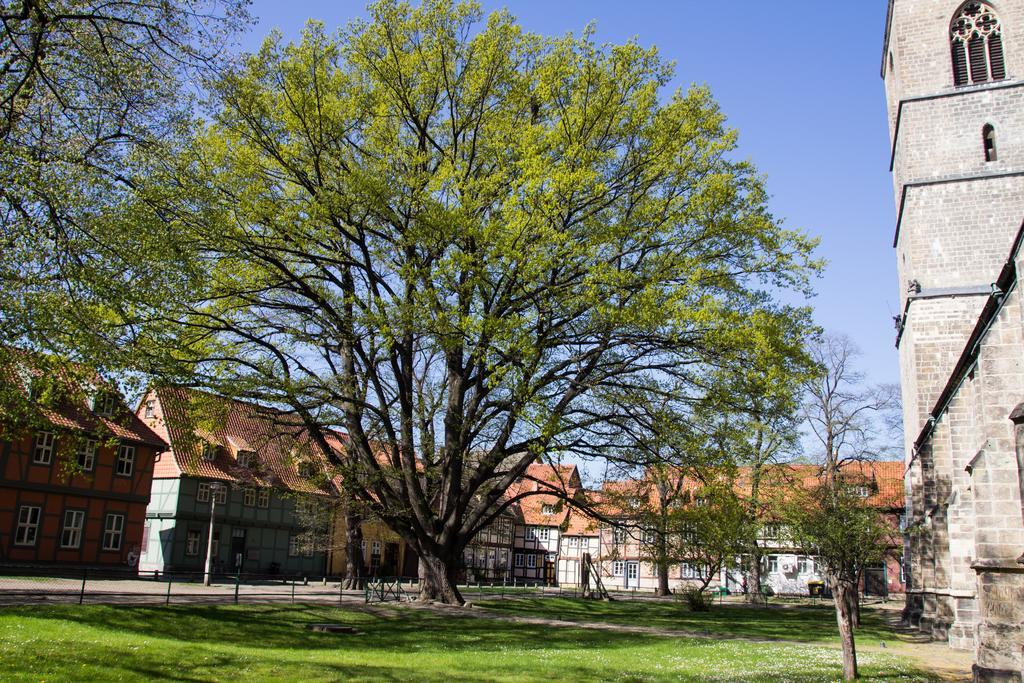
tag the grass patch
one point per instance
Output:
(811, 624)
(268, 643)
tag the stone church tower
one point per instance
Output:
(954, 82)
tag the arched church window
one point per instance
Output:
(976, 41)
(988, 139)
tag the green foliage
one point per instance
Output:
(85, 85)
(467, 245)
(845, 532)
(696, 599)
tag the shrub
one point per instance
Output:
(696, 599)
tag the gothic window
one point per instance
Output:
(988, 140)
(976, 41)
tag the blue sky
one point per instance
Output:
(803, 89)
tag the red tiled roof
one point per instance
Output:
(580, 524)
(74, 412)
(188, 419)
(884, 480)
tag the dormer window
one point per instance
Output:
(209, 451)
(246, 458)
(306, 469)
(976, 43)
(547, 509)
(862, 491)
(104, 404)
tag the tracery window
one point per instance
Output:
(976, 41)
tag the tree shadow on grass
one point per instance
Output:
(202, 643)
(804, 624)
(284, 627)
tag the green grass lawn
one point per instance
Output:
(265, 643)
(811, 624)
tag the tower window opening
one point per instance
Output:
(976, 43)
(988, 138)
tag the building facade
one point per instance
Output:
(953, 79)
(73, 492)
(252, 468)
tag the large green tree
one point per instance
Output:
(467, 246)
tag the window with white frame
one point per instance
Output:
(375, 556)
(293, 546)
(649, 536)
(690, 571)
(249, 497)
(43, 453)
(113, 531)
(209, 451)
(770, 531)
(531, 561)
(518, 558)
(192, 542)
(574, 541)
(104, 403)
(804, 565)
(618, 568)
(71, 534)
(246, 458)
(263, 499)
(547, 509)
(86, 454)
(28, 525)
(772, 563)
(503, 559)
(220, 493)
(125, 460)
(618, 535)
(203, 492)
(150, 409)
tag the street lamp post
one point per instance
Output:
(214, 490)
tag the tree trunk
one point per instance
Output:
(663, 580)
(437, 580)
(853, 605)
(354, 563)
(840, 595)
(754, 595)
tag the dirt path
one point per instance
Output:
(949, 664)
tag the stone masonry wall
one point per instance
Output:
(957, 216)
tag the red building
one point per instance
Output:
(75, 485)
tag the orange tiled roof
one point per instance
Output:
(278, 440)
(75, 413)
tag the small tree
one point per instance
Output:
(710, 531)
(846, 534)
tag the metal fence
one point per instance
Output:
(21, 585)
(27, 585)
